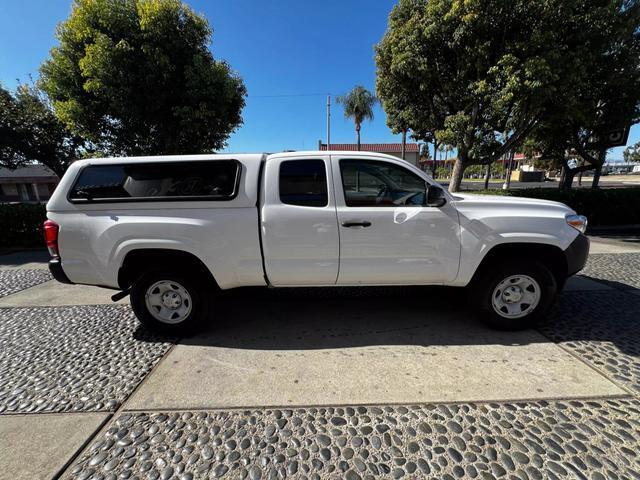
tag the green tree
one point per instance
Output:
(397, 122)
(137, 77)
(632, 153)
(29, 131)
(425, 152)
(483, 74)
(358, 104)
(603, 98)
(11, 134)
(397, 126)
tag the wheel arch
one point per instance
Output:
(550, 256)
(138, 261)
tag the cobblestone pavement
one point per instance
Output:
(86, 358)
(512, 440)
(603, 329)
(14, 280)
(623, 269)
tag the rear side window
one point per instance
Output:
(217, 180)
(304, 182)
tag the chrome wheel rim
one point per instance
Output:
(516, 296)
(168, 301)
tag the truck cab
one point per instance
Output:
(355, 219)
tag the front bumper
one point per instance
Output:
(55, 267)
(577, 254)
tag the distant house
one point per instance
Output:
(29, 184)
(412, 150)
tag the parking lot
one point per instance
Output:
(327, 383)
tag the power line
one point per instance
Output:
(290, 95)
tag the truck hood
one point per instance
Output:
(499, 200)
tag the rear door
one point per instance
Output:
(298, 221)
(387, 235)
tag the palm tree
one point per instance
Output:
(358, 104)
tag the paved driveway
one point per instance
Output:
(322, 384)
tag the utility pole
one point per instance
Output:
(328, 122)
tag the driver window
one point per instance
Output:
(371, 183)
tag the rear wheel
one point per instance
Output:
(515, 295)
(170, 301)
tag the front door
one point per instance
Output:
(387, 235)
(299, 225)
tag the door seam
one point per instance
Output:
(335, 209)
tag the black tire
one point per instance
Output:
(485, 286)
(197, 292)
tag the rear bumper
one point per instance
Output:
(577, 254)
(55, 267)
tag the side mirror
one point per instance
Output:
(435, 196)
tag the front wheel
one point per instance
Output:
(169, 302)
(516, 295)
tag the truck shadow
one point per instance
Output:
(333, 318)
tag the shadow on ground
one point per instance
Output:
(328, 318)
(611, 283)
(13, 258)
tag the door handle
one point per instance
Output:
(356, 223)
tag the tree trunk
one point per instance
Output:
(567, 181)
(596, 177)
(434, 164)
(487, 176)
(404, 144)
(598, 170)
(358, 134)
(563, 174)
(456, 176)
(507, 180)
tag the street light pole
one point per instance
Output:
(328, 122)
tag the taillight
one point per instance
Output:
(51, 229)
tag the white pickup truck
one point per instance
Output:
(173, 231)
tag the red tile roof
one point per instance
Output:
(373, 147)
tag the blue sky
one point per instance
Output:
(291, 54)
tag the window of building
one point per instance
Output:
(215, 180)
(370, 183)
(26, 192)
(304, 182)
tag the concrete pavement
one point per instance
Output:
(39, 446)
(615, 244)
(55, 294)
(371, 351)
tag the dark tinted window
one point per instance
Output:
(162, 180)
(303, 182)
(380, 184)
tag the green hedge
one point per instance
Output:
(604, 206)
(21, 225)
